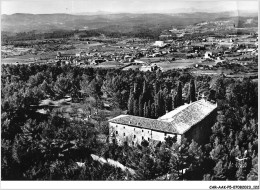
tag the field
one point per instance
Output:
(29, 58)
(110, 64)
(20, 60)
(133, 67)
(211, 72)
(178, 64)
(167, 65)
(85, 45)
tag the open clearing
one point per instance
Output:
(178, 64)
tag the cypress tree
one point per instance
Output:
(135, 88)
(168, 103)
(141, 106)
(159, 104)
(145, 110)
(192, 93)
(162, 103)
(152, 111)
(136, 108)
(144, 88)
(149, 109)
(131, 104)
(173, 100)
(178, 98)
(156, 87)
(156, 111)
(156, 100)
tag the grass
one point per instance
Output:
(178, 64)
(212, 72)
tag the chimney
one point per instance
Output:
(203, 97)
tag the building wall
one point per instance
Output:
(202, 130)
(135, 135)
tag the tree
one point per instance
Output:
(170, 140)
(156, 111)
(253, 175)
(169, 103)
(192, 93)
(219, 171)
(153, 111)
(63, 85)
(146, 169)
(84, 83)
(144, 90)
(149, 110)
(220, 89)
(131, 104)
(145, 110)
(94, 88)
(178, 98)
(141, 106)
(136, 108)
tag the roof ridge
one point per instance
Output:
(161, 125)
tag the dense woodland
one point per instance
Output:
(18, 38)
(46, 146)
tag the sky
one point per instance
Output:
(119, 6)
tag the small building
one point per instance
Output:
(159, 44)
(208, 55)
(192, 121)
(139, 62)
(81, 54)
(211, 39)
(97, 61)
(152, 67)
(68, 57)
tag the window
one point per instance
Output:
(124, 127)
(165, 134)
(133, 143)
(116, 132)
(124, 134)
(134, 136)
(142, 138)
(142, 130)
(134, 129)
(148, 139)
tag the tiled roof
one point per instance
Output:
(191, 115)
(143, 122)
(177, 121)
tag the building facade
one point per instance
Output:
(192, 121)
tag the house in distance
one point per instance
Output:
(192, 121)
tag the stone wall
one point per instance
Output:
(135, 135)
(202, 130)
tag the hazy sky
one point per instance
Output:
(79, 6)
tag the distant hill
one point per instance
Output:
(123, 22)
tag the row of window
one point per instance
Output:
(133, 143)
(165, 134)
(134, 136)
(134, 129)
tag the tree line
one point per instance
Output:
(47, 147)
(163, 101)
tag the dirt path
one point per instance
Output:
(112, 163)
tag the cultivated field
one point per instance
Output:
(178, 64)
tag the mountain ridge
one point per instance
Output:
(23, 22)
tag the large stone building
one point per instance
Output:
(192, 121)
